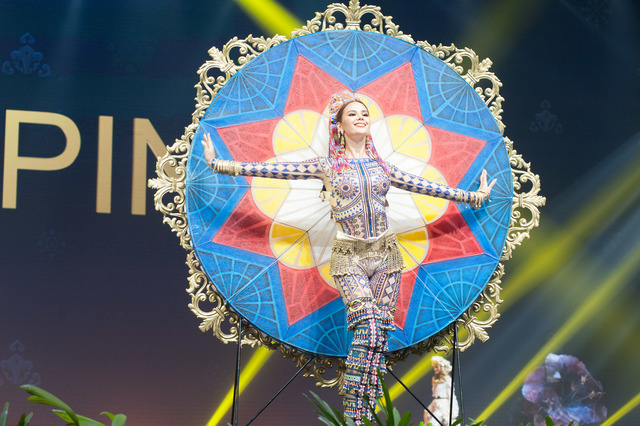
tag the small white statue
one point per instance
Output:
(441, 390)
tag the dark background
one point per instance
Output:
(97, 303)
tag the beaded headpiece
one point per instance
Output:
(337, 147)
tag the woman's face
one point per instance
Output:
(354, 121)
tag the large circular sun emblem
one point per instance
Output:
(265, 243)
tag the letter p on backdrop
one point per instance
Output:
(13, 162)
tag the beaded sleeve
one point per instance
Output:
(409, 182)
(312, 169)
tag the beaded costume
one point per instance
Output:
(366, 262)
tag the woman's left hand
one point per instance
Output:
(485, 189)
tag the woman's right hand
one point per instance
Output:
(209, 150)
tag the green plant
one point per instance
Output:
(331, 416)
(24, 419)
(40, 396)
(390, 412)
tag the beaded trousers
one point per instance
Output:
(369, 292)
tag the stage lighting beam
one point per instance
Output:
(411, 377)
(623, 411)
(257, 361)
(271, 16)
(495, 32)
(546, 259)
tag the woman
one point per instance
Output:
(366, 262)
(441, 406)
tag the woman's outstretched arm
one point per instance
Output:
(407, 181)
(311, 169)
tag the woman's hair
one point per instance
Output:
(344, 105)
(443, 363)
(337, 156)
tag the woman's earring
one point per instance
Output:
(342, 139)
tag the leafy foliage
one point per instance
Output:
(4, 414)
(333, 417)
(41, 396)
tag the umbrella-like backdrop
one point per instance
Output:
(264, 244)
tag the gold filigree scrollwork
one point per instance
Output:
(170, 184)
(525, 214)
(353, 15)
(225, 63)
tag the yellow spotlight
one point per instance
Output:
(272, 17)
(599, 298)
(411, 377)
(256, 362)
(546, 259)
(503, 22)
(626, 408)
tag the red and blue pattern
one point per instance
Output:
(230, 233)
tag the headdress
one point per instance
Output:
(337, 156)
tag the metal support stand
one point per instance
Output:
(280, 391)
(236, 385)
(415, 397)
(456, 357)
(454, 364)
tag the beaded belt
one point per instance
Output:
(344, 253)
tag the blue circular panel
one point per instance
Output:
(234, 232)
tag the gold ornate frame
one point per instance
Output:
(170, 185)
